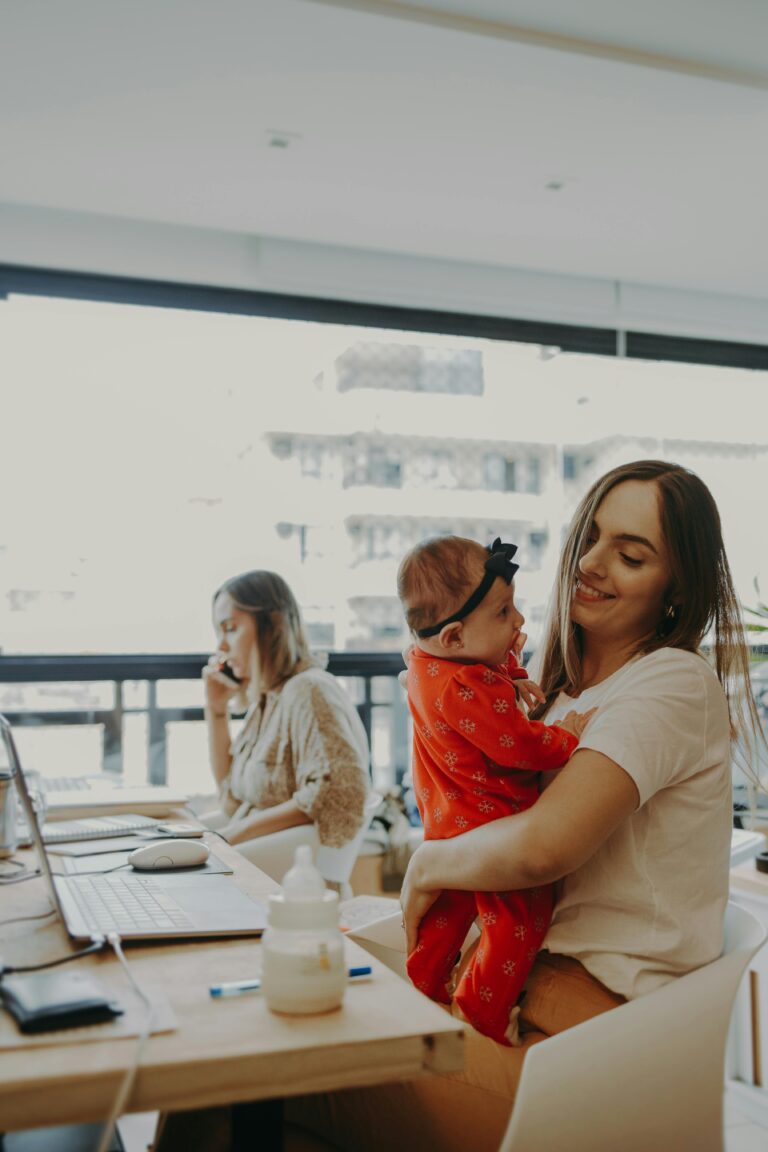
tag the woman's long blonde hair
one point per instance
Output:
(700, 600)
(281, 638)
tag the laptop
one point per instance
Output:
(139, 905)
(82, 795)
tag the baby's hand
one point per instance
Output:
(575, 722)
(529, 692)
(402, 677)
(519, 644)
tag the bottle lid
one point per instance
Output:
(322, 913)
(303, 881)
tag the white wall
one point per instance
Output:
(71, 241)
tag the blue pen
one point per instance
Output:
(240, 987)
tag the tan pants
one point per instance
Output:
(460, 1111)
(449, 1113)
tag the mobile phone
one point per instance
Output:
(185, 831)
(225, 668)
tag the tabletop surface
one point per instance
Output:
(222, 1051)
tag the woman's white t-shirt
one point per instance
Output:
(649, 905)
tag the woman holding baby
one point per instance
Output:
(635, 829)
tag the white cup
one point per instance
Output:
(8, 835)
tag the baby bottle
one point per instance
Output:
(302, 949)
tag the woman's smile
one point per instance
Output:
(586, 592)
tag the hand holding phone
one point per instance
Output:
(220, 683)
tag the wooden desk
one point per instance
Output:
(224, 1050)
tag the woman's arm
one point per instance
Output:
(580, 809)
(265, 820)
(219, 741)
(330, 750)
(218, 691)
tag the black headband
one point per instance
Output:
(499, 563)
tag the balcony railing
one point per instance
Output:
(371, 678)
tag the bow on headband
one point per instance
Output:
(499, 563)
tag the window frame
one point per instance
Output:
(591, 339)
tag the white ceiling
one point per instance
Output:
(432, 131)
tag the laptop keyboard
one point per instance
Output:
(113, 903)
(66, 784)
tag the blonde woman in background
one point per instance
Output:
(297, 771)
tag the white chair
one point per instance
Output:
(275, 853)
(336, 864)
(644, 1077)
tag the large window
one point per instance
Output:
(148, 453)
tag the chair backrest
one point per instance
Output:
(647, 1075)
(337, 863)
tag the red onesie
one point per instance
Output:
(475, 758)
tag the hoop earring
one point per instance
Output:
(668, 621)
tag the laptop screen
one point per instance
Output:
(29, 811)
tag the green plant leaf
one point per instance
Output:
(762, 609)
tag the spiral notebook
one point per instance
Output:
(96, 828)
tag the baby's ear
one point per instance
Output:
(452, 636)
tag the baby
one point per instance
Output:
(476, 757)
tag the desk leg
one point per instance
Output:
(258, 1125)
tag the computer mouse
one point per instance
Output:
(169, 854)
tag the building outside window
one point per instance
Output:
(155, 465)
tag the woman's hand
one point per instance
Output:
(415, 897)
(219, 688)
